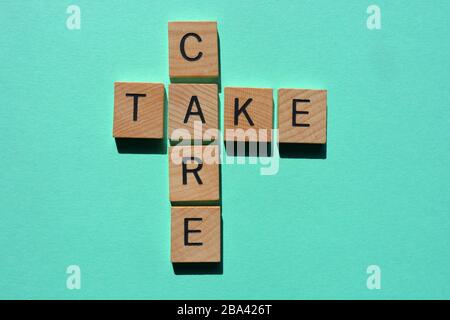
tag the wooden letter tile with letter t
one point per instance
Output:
(138, 110)
(195, 234)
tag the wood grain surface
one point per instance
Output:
(260, 111)
(209, 175)
(311, 123)
(148, 122)
(206, 102)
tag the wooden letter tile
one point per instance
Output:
(195, 234)
(193, 49)
(249, 112)
(302, 116)
(138, 110)
(194, 174)
(194, 103)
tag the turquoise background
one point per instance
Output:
(381, 196)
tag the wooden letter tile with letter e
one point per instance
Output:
(193, 110)
(248, 114)
(194, 175)
(302, 116)
(138, 110)
(195, 234)
(193, 49)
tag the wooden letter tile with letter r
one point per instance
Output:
(194, 174)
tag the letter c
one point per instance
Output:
(182, 44)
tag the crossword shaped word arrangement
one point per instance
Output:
(194, 182)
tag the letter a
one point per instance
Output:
(374, 279)
(374, 20)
